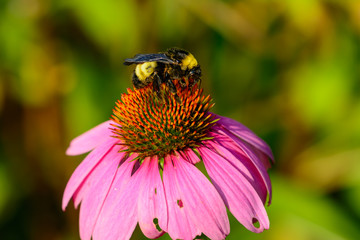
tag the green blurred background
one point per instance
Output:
(288, 69)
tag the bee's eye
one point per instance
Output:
(193, 72)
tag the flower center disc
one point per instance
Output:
(157, 124)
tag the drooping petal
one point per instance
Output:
(98, 184)
(118, 216)
(244, 133)
(85, 167)
(90, 139)
(264, 159)
(231, 152)
(194, 204)
(238, 194)
(238, 147)
(152, 202)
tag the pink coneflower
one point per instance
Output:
(142, 169)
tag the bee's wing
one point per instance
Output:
(153, 57)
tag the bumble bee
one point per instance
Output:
(164, 67)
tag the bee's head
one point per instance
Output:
(186, 61)
(195, 73)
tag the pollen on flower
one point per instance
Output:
(151, 125)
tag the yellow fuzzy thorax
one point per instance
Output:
(144, 70)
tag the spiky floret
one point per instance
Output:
(149, 125)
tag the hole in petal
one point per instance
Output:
(180, 203)
(255, 222)
(155, 191)
(156, 222)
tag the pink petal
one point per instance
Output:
(79, 194)
(98, 184)
(85, 167)
(237, 193)
(231, 152)
(152, 202)
(264, 159)
(118, 216)
(244, 133)
(190, 156)
(238, 147)
(194, 204)
(179, 226)
(90, 139)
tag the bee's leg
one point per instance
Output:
(173, 90)
(136, 81)
(197, 80)
(182, 82)
(194, 82)
(157, 84)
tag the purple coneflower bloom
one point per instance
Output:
(142, 169)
